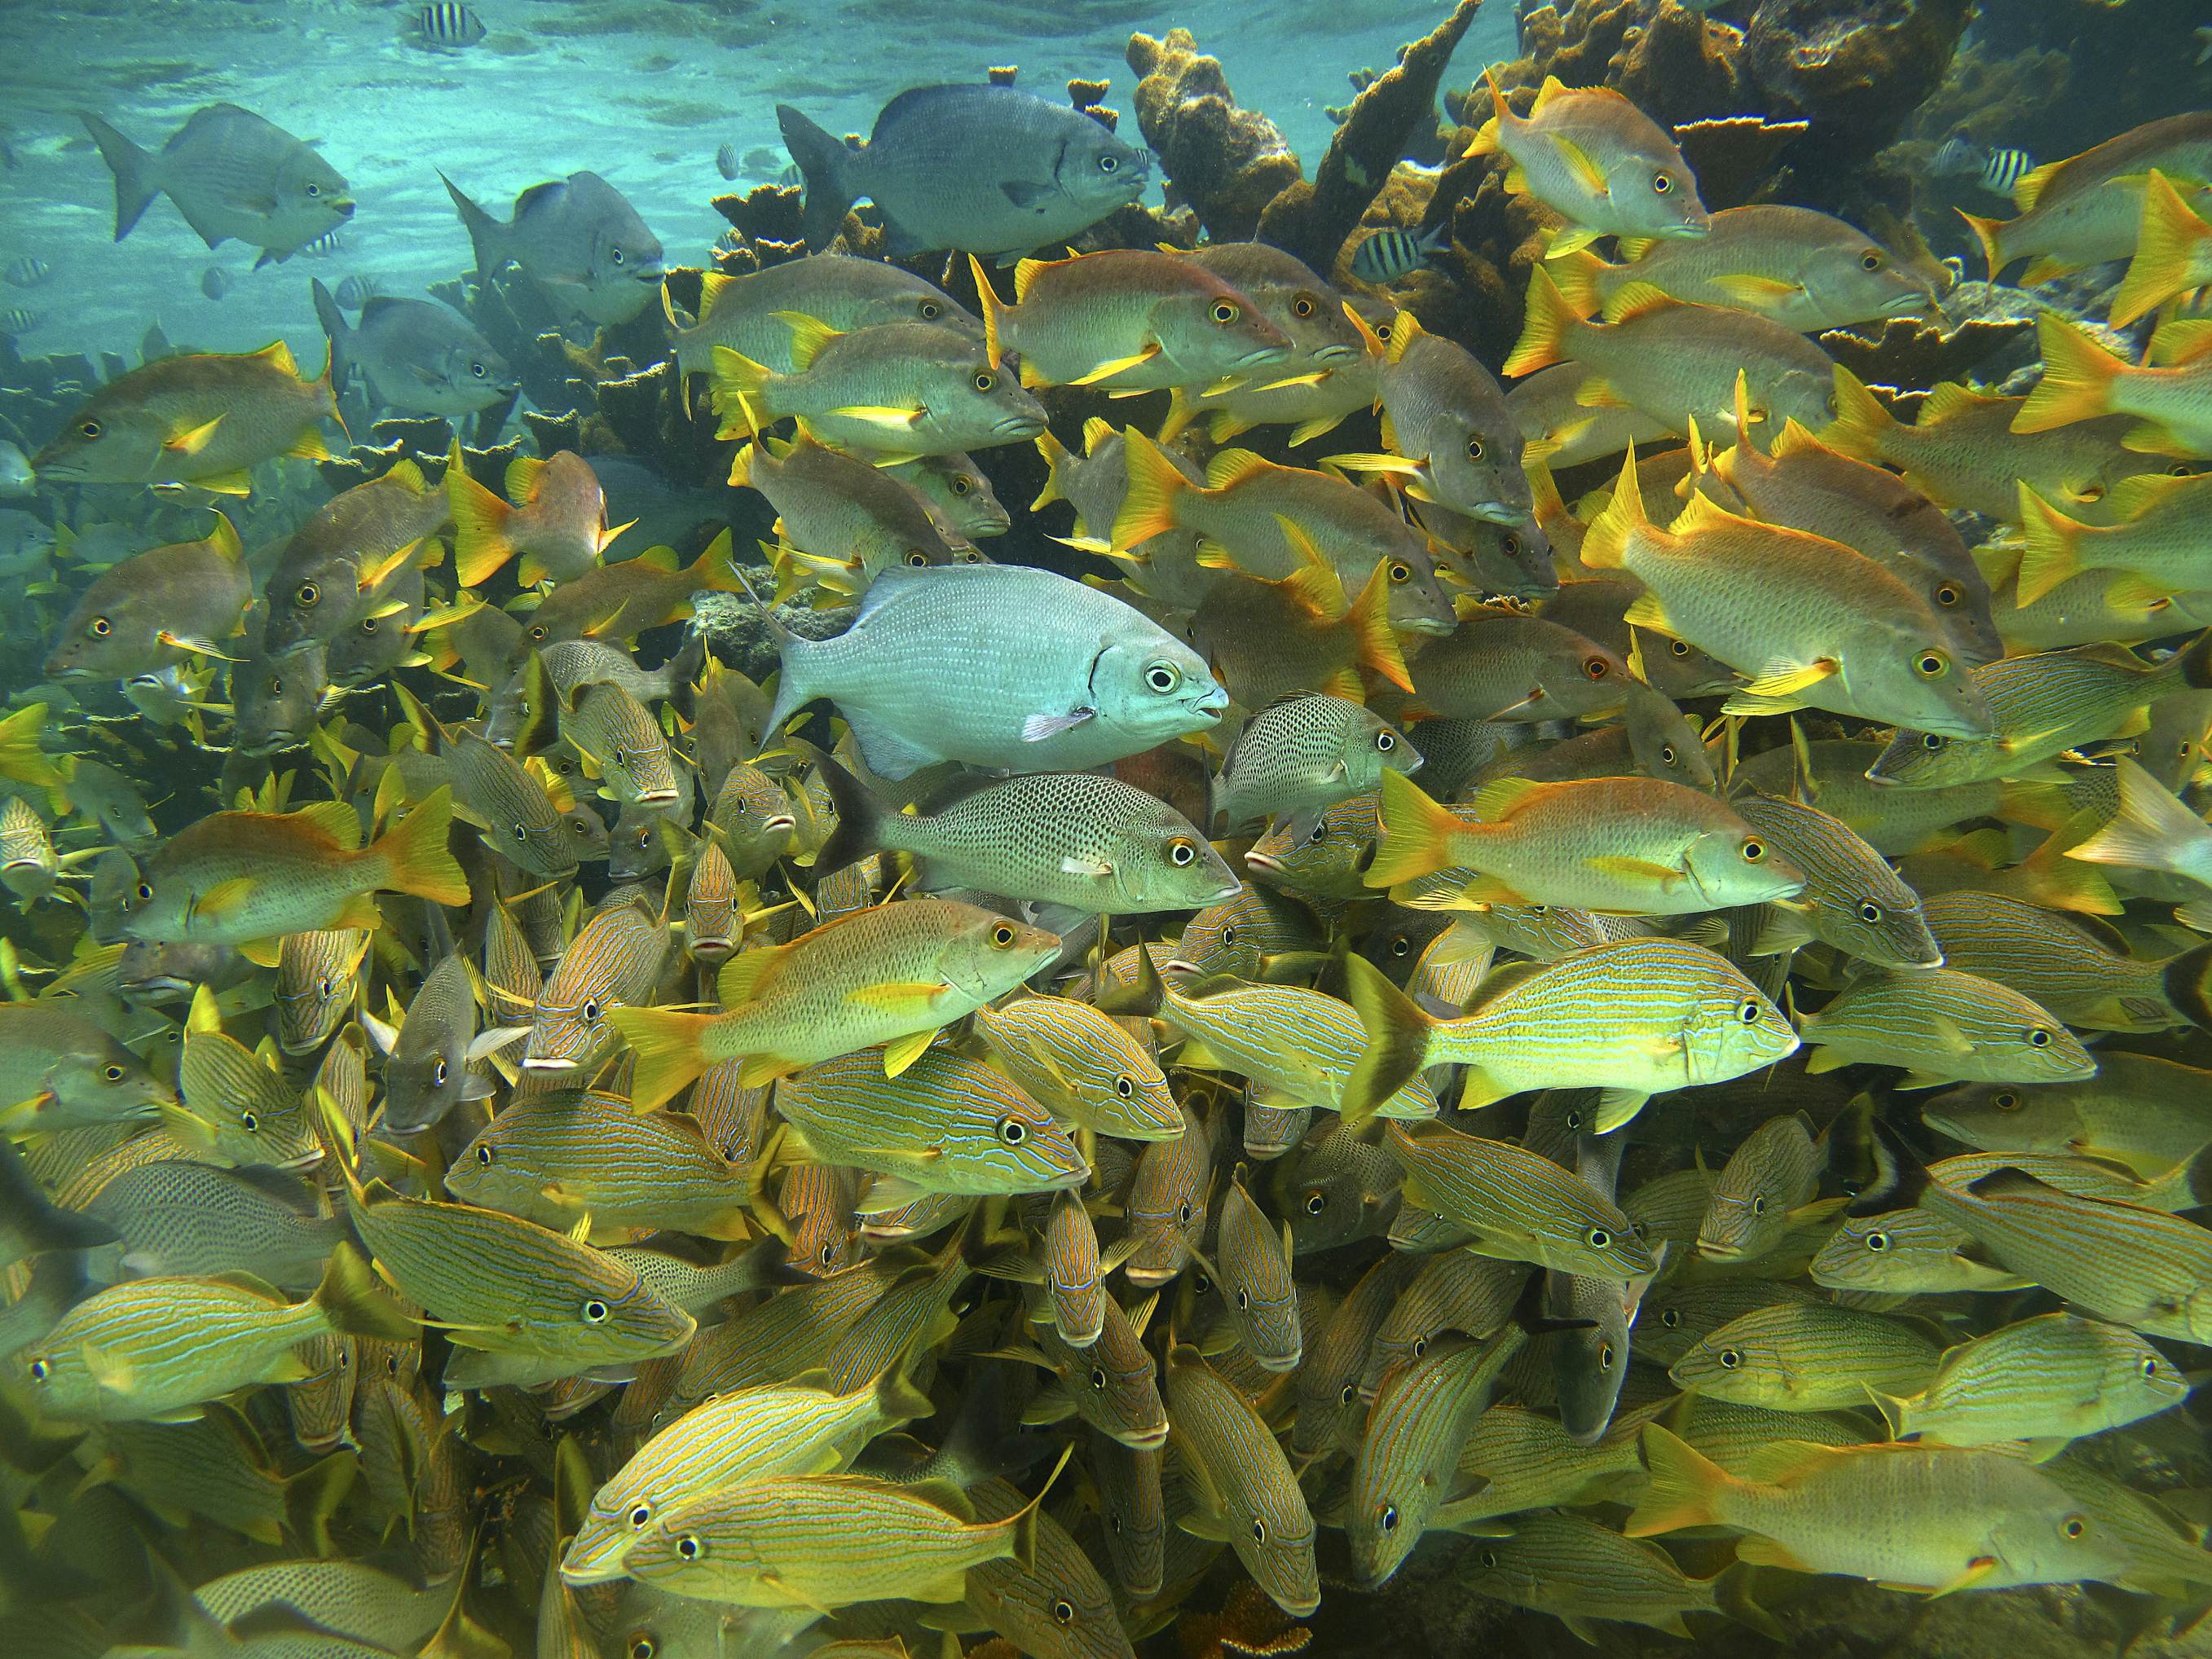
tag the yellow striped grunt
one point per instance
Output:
(2056, 1377)
(1803, 1356)
(1244, 1491)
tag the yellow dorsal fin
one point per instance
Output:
(522, 478)
(1025, 272)
(1405, 329)
(1795, 440)
(337, 819)
(1949, 399)
(1095, 431)
(204, 1018)
(1550, 91)
(742, 973)
(1497, 799)
(658, 558)
(1233, 467)
(711, 288)
(223, 540)
(2029, 191)
(408, 476)
(809, 334)
(1633, 300)
(1703, 513)
(280, 354)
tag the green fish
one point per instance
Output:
(1585, 1574)
(2054, 1377)
(2149, 1114)
(1852, 899)
(1083, 1065)
(1775, 1172)
(1245, 1493)
(1801, 1356)
(1905, 1253)
(1521, 1206)
(1305, 753)
(1943, 1026)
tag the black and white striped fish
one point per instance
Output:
(1389, 254)
(324, 245)
(1996, 170)
(28, 271)
(2004, 170)
(449, 23)
(15, 320)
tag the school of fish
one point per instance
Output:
(1396, 1010)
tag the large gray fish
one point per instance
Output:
(231, 174)
(580, 236)
(416, 355)
(428, 1073)
(926, 672)
(176, 1216)
(979, 169)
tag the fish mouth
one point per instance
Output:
(1145, 1439)
(1257, 861)
(341, 205)
(1330, 355)
(713, 948)
(1019, 427)
(599, 1565)
(779, 821)
(1261, 357)
(1497, 511)
(1434, 626)
(1693, 228)
(1176, 968)
(545, 1063)
(657, 797)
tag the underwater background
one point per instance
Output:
(1456, 1141)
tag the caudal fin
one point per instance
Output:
(487, 236)
(2078, 375)
(133, 168)
(1684, 1485)
(334, 324)
(415, 858)
(351, 1300)
(20, 756)
(2051, 550)
(481, 542)
(1862, 425)
(1990, 233)
(313, 1496)
(1148, 505)
(1397, 1033)
(739, 392)
(1580, 277)
(2151, 829)
(1373, 641)
(860, 818)
(1549, 324)
(821, 159)
(1417, 834)
(2171, 247)
(666, 1044)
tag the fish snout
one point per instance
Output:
(1017, 427)
(341, 205)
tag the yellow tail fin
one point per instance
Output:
(1148, 504)
(1606, 545)
(1055, 459)
(414, 856)
(1374, 643)
(2172, 246)
(1684, 1484)
(666, 1044)
(2078, 375)
(481, 543)
(1484, 141)
(1990, 235)
(1862, 425)
(1580, 277)
(1417, 834)
(1550, 323)
(2051, 551)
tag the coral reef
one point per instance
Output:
(1225, 161)
(1855, 69)
(1312, 219)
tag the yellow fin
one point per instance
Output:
(194, 439)
(898, 1056)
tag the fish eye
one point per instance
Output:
(479, 371)
(595, 1312)
(1754, 849)
(1126, 1086)
(1063, 1612)
(1749, 1013)
(984, 380)
(1947, 594)
(1596, 668)
(643, 1647)
(1605, 1356)
(1181, 852)
(1402, 946)
(1108, 164)
(1680, 648)
(1931, 664)
(1303, 306)
(2006, 1102)
(1512, 545)
(1665, 754)
(522, 832)
(1661, 183)
(485, 1154)
(1598, 1238)
(1259, 1530)
(1877, 1242)
(1317, 1202)
(88, 428)
(249, 1122)
(2150, 1367)
(1490, 1558)
(1224, 311)
(1002, 936)
(590, 1011)
(275, 686)
(1229, 938)
(2074, 1526)
(1401, 571)
(1474, 449)
(1420, 1347)
(691, 1547)
(539, 631)
(1870, 260)
(1869, 912)
(615, 254)
(314, 190)
(307, 593)
(1933, 741)
(1162, 678)
(1670, 1317)
(960, 483)
(1244, 1300)
(1731, 1359)
(1098, 1377)
(101, 626)
(930, 310)
(1013, 1131)
(2038, 1038)
(829, 1252)
(1318, 835)
(40, 1371)
(1183, 1212)
(113, 1074)
(1574, 1120)
(1389, 1517)
(1347, 1394)
(1758, 1205)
